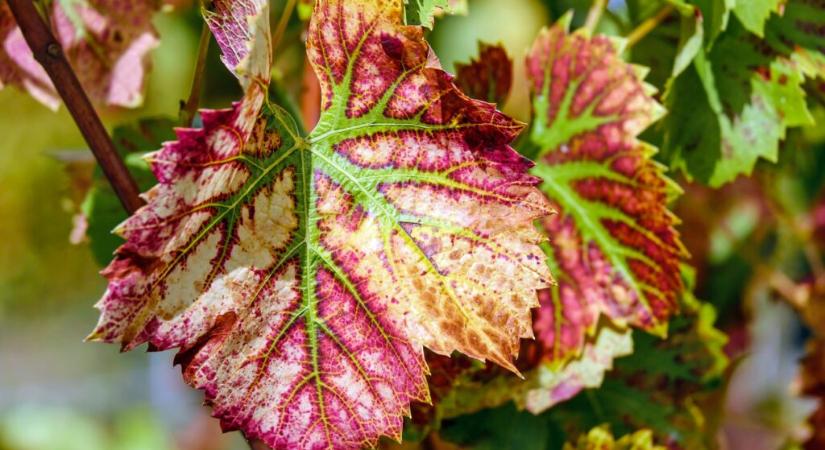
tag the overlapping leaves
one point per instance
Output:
(301, 275)
(664, 385)
(107, 42)
(752, 90)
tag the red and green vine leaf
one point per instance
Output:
(489, 77)
(101, 208)
(424, 12)
(613, 246)
(107, 43)
(301, 275)
(601, 438)
(241, 28)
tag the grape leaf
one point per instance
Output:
(715, 147)
(754, 13)
(601, 438)
(241, 28)
(800, 25)
(107, 42)
(669, 386)
(489, 77)
(101, 207)
(715, 14)
(301, 275)
(424, 12)
(552, 385)
(613, 247)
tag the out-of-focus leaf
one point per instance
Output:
(489, 77)
(715, 14)
(613, 248)
(717, 137)
(424, 12)
(301, 276)
(691, 38)
(601, 438)
(754, 13)
(107, 42)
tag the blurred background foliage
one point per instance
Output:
(752, 244)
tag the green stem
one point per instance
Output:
(279, 29)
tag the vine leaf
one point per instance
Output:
(489, 77)
(753, 14)
(101, 208)
(726, 134)
(107, 42)
(424, 12)
(600, 438)
(553, 386)
(613, 246)
(241, 28)
(301, 276)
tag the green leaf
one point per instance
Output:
(715, 14)
(754, 13)
(714, 142)
(424, 12)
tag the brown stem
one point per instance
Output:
(48, 53)
(190, 108)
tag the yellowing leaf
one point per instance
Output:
(301, 276)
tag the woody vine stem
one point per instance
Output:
(49, 54)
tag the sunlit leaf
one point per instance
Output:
(301, 276)
(488, 77)
(107, 42)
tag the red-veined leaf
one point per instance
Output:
(301, 275)
(613, 245)
(489, 77)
